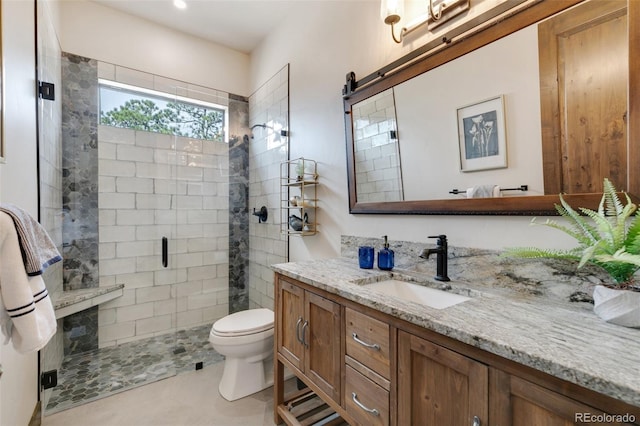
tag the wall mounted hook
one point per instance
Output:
(263, 214)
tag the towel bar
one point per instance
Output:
(520, 188)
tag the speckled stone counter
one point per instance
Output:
(537, 313)
(72, 301)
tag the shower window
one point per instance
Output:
(131, 107)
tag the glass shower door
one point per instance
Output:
(201, 201)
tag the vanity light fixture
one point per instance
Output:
(391, 12)
(180, 4)
(438, 11)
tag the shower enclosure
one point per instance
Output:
(154, 228)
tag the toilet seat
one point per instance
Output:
(243, 323)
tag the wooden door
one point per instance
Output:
(323, 337)
(437, 386)
(290, 320)
(584, 72)
(517, 402)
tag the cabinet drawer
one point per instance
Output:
(362, 397)
(368, 341)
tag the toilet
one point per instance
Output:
(245, 338)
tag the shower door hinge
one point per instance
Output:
(49, 379)
(47, 91)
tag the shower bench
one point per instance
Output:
(69, 302)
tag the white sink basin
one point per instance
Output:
(417, 293)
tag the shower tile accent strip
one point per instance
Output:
(238, 223)
(79, 96)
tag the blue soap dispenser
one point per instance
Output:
(385, 257)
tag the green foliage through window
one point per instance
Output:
(141, 111)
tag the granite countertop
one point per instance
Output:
(536, 313)
(72, 301)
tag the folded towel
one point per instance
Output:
(38, 251)
(484, 191)
(27, 316)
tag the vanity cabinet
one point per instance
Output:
(518, 402)
(308, 335)
(376, 369)
(437, 386)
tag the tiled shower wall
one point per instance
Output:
(376, 152)
(152, 186)
(268, 105)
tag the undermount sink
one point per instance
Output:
(411, 292)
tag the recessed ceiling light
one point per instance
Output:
(180, 4)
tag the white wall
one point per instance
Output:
(18, 185)
(333, 39)
(108, 35)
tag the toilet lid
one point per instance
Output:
(244, 322)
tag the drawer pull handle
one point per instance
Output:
(476, 421)
(298, 330)
(363, 343)
(373, 411)
(304, 332)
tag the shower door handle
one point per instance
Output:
(165, 251)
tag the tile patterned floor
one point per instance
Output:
(96, 374)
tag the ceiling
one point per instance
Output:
(238, 24)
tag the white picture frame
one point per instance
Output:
(482, 135)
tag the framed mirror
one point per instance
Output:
(417, 138)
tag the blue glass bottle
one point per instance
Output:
(385, 257)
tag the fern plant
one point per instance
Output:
(610, 239)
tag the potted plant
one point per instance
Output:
(609, 238)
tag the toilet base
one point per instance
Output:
(241, 377)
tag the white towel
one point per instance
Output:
(26, 312)
(484, 191)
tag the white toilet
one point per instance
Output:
(245, 338)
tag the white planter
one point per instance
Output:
(620, 307)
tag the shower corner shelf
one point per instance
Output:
(299, 195)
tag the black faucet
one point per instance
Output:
(441, 261)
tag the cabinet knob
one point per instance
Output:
(374, 346)
(373, 411)
(476, 421)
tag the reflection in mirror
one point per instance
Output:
(428, 123)
(376, 147)
(565, 114)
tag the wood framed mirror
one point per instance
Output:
(575, 170)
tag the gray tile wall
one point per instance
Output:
(79, 96)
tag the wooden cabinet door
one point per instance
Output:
(289, 323)
(322, 338)
(518, 402)
(584, 74)
(437, 386)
